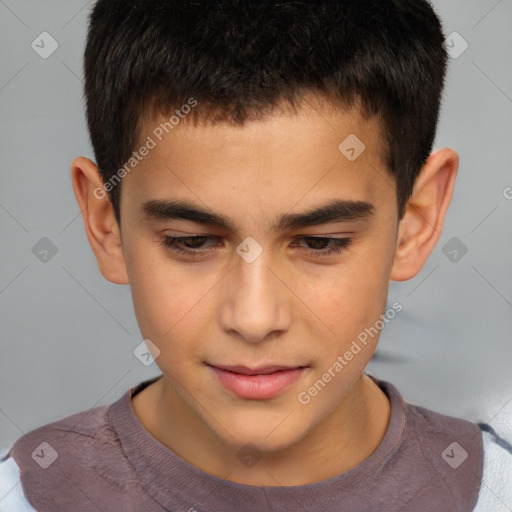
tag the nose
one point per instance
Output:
(256, 305)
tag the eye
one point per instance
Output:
(321, 246)
(194, 245)
(189, 245)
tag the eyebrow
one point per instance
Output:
(338, 210)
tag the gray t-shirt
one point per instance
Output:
(103, 459)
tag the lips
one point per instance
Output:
(260, 383)
(263, 370)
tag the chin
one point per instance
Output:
(263, 436)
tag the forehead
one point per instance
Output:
(288, 158)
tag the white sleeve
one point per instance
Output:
(12, 498)
(496, 487)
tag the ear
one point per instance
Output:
(100, 223)
(422, 223)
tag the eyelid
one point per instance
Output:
(338, 245)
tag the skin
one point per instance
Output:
(286, 307)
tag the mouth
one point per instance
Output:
(260, 383)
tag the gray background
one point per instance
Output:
(68, 335)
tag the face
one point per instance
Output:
(262, 289)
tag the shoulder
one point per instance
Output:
(446, 441)
(85, 429)
(78, 456)
(12, 498)
(485, 457)
(79, 442)
(436, 431)
(496, 486)
(448, 451)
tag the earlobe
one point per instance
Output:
(422, 223)
(100, 224)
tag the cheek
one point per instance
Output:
(347, 298)
(165, 300)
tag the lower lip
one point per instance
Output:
(257, 387)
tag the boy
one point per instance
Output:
(263, 171)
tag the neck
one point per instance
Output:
(350, 434)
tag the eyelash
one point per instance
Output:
(172, 243)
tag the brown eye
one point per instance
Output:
(189, 245)
(319, 245)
